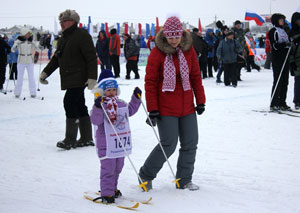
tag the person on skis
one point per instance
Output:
(110, 152)
(172, 81)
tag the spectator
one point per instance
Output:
(115, 51)
(4, 50)
(268, 52)
(210, 39)
(131, 52)
(227, 53)
(295, 57)
(102, 48)
(76, 57)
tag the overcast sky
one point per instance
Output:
(42, 13)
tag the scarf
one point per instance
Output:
(111, 108)
(169, 82)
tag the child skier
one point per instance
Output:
(109, 150)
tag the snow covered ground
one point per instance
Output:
(246, 161)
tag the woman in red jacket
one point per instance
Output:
(172, 81)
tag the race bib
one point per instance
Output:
(113, 145)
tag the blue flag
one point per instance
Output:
(118, 28)
(147, 30)
(152, 29)
(90, 26)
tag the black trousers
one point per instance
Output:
(105, 62)
(2, 74)
(297, 90)
(74, 103)
(203, 67)
(13, 71)
(131, 65)
(279, 98)
(230, 74)
(251, 64)
(209, 67)
(239, 67)
(115, 62)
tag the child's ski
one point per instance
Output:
(130, 199)
(134, 207)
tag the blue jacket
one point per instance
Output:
(13, 56)
(210, 40)
(228, 51)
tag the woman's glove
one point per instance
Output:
(154, 116)
(200, 109)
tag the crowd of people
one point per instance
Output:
(172, 104)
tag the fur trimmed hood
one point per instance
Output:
(162, 43)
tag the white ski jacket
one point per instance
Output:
(26, 51)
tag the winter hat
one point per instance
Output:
(69, 15)
(172, 28)
(275, 19)
(113, 31)
(237, 22)
(24, 31)
(230, 32)
(195, 30)
(127, 35)
(295, 18)
(106, 81)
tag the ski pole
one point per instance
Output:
(10, 70)
(162, 149)
(143, 184)
(280, 74)
(40, 57)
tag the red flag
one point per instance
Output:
(157, 25)
(107, 30)
(199, 26)
(126, 28)
(140, 29)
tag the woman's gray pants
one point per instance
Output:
(170, 128)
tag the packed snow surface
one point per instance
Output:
(246, 161)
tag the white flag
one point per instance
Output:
(55, 27)
(52, 39)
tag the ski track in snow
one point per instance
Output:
(246, 161)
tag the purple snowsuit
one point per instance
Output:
(110, 167)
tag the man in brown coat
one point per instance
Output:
(76, 57)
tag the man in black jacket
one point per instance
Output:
(4, 50)
(76, 57)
